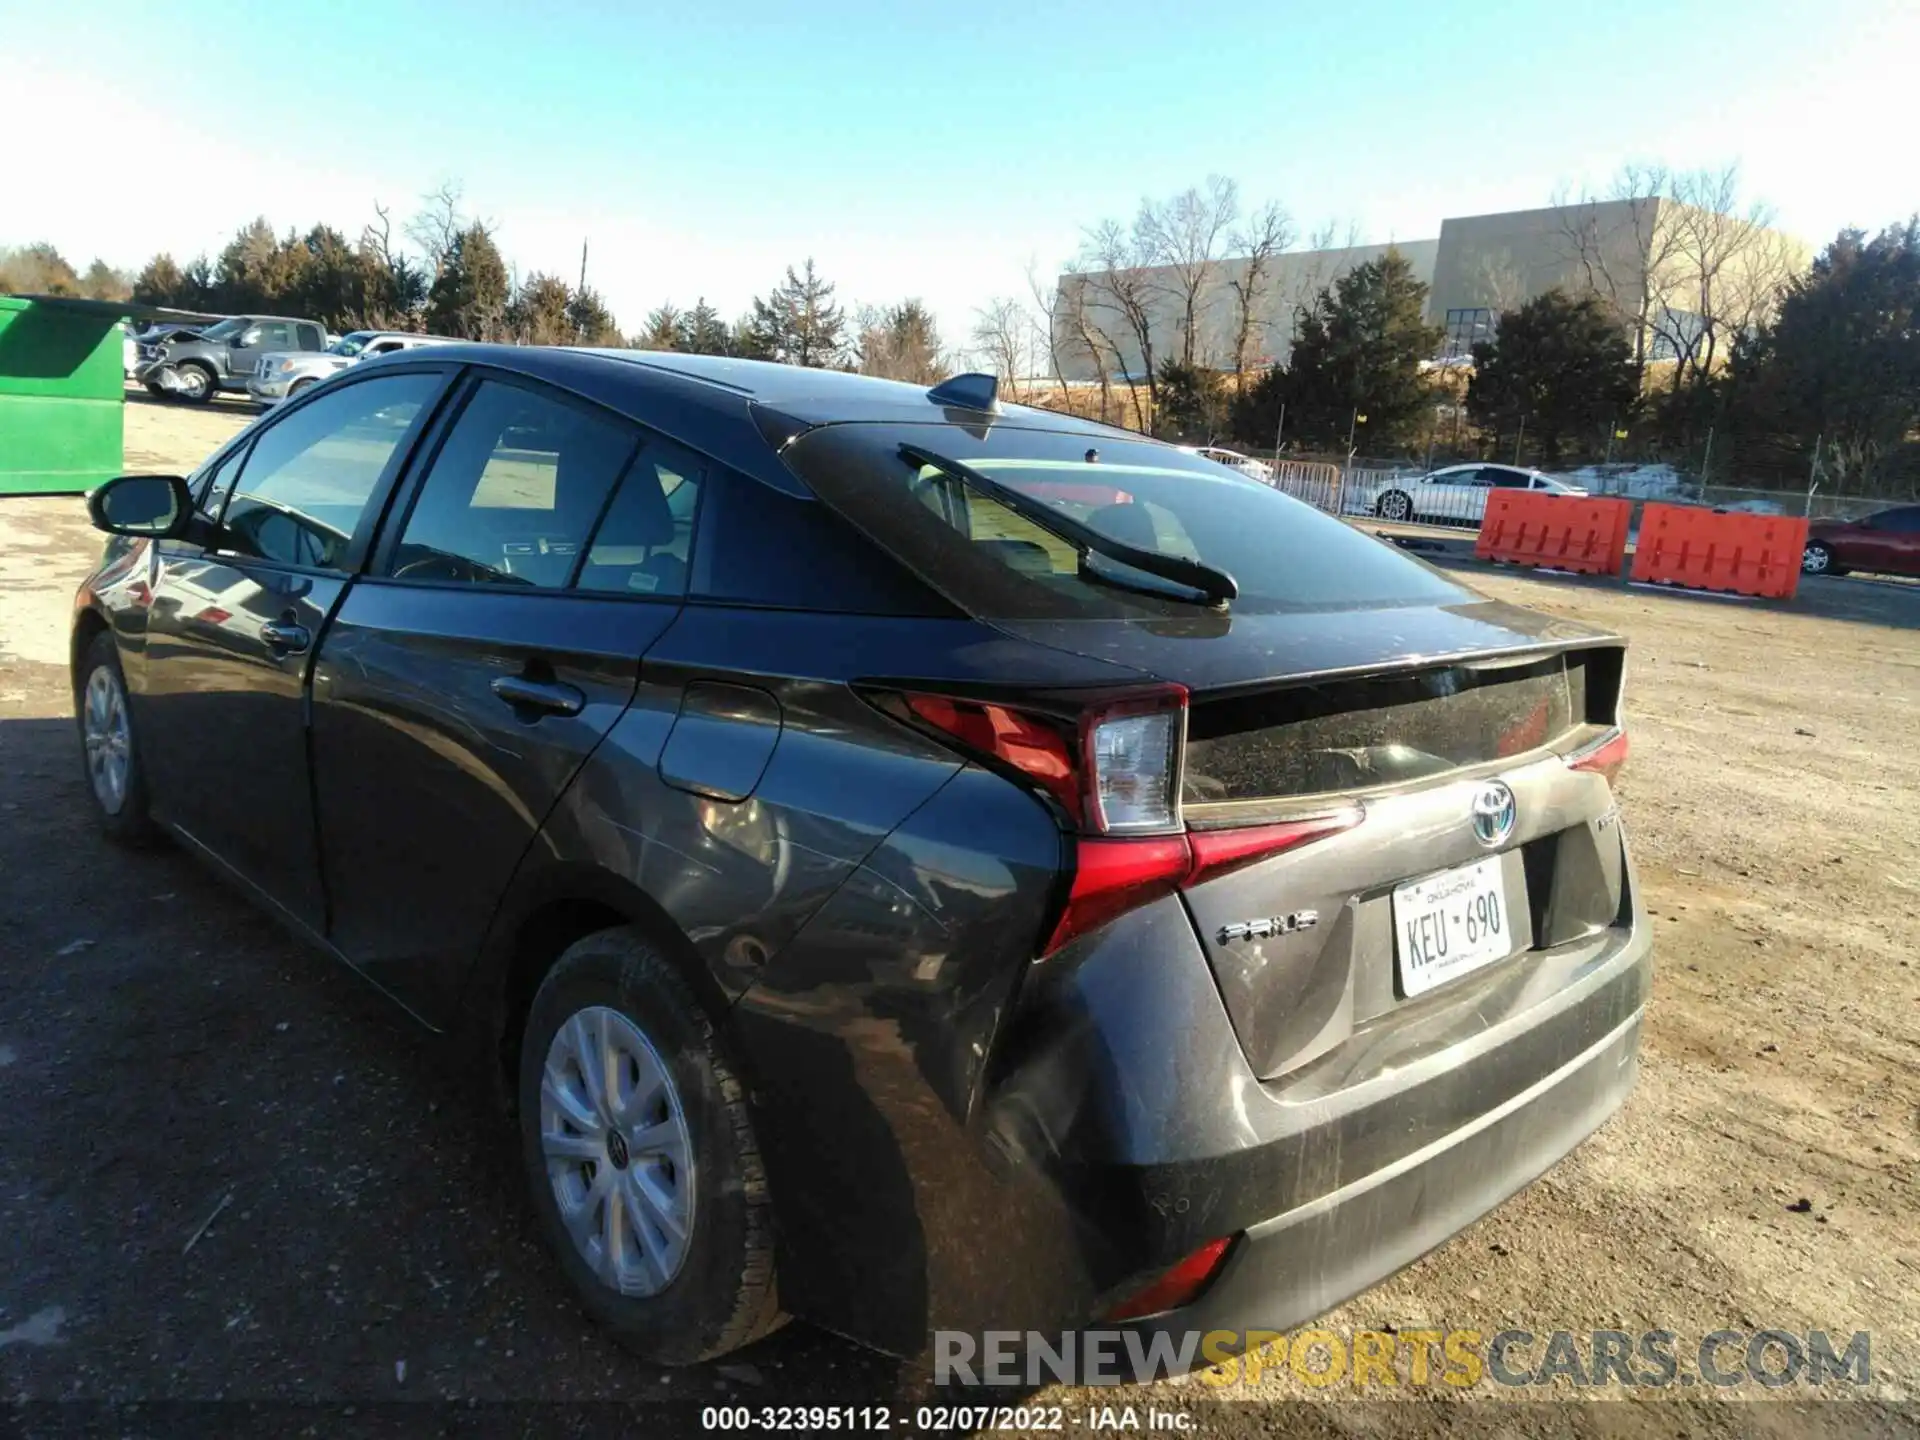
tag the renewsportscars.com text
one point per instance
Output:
(1368, 1359)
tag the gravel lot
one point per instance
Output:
(168, 1058)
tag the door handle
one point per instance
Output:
(545, 695)
(285, 638)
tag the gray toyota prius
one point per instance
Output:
(900, 859)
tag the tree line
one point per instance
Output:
(442, 272)
(1685, 321)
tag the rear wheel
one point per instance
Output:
(107, 747)
(1395, 505)
(641, 1157)
(1817, 559)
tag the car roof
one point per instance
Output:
(707, 401)
(640, 380)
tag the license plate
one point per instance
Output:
(1450, 923)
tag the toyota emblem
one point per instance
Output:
(1493, 814)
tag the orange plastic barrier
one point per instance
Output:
(1566, 532)
(1720, 550)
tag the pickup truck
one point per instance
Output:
(196, 365)
(279, 375)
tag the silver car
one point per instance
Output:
(285, 373)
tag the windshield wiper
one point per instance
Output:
(1214, 585)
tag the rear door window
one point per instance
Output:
(998, 563)
(515, 489)
(644, 542)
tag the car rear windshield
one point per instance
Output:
(997, 564)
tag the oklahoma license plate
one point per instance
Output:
(1450, 923)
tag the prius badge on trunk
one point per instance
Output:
(1268, 926)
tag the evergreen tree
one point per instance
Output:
(901, 342)
(1840, 365)
(1360, 348)
(1561, 367)
(798, 324)
(537, 315)
(702, 331)
(470, 296)
(747, 341)
(662, 330)
(160, 282)
(592, 322)
(1193, 401)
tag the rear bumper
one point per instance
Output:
(1302, 1262)
(1331, 1178)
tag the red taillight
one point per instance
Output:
(1218, 852)
(1605, 758)
(1111, 877)
(1116, 770)
(1030, 745)
(1179, 1286)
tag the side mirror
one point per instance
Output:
(155, 507)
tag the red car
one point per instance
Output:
(1888, 542)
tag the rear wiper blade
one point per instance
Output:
(1215, 585)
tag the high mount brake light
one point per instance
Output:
(1607, 758)
(1116, 775)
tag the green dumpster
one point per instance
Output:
(62, 391)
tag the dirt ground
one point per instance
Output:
(166, 1056)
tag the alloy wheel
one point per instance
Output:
(1815, 559)
(108, 738)
(618, 1154)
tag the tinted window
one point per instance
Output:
(761, 546)
(307, 482)
(513, 492)
(309, 337)
(646, 538)
(1509, 479)
(998, 564)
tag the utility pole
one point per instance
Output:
(1706, 463)
(583, 266)
(1518, 439)
(1611, 428)
(1278, 430)
(1813, 476)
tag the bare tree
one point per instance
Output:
(437, 226)
(1115, 264)
(1266, 233)
(1049, 304)
(1003, 337)
(1182, 237)
(1728, 268)
(1080, 335)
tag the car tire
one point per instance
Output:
(1817, 559)
(107, 747)
(209, 383)
(615, 1000)
(156, 390)
(1394, 505)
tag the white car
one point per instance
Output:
(1458, 494)
(283, 373)
(1233, 460)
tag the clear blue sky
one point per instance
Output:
(917, 149)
